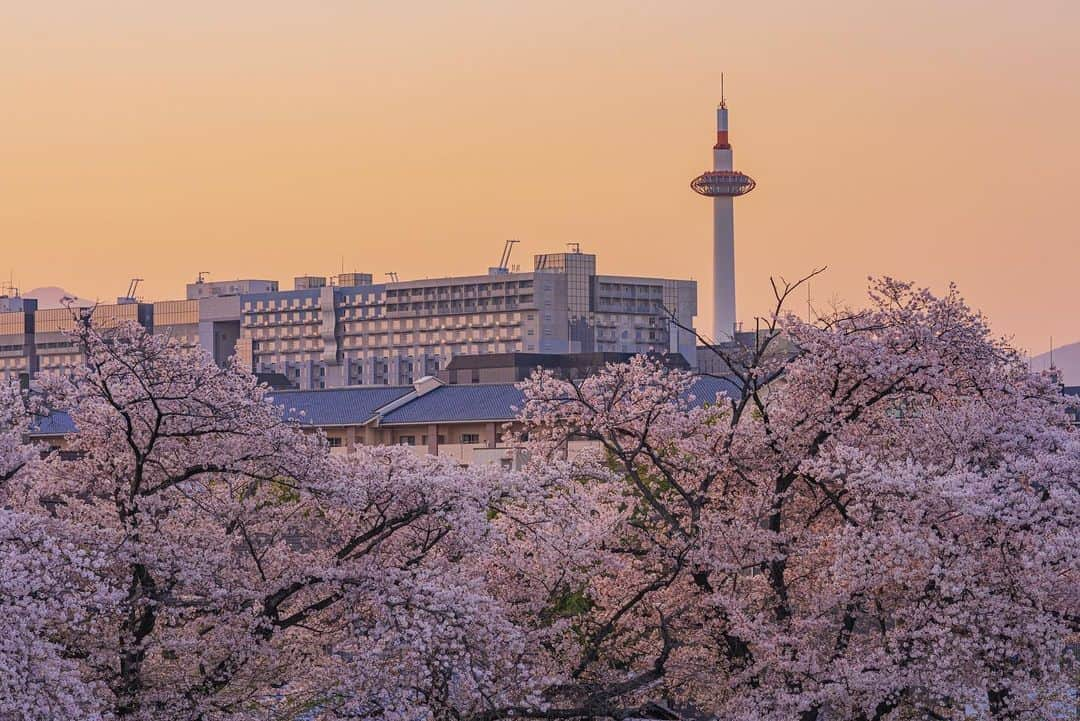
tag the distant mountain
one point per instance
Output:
(1066, 359)
(52, 297)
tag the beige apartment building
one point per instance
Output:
(349, 331)
(333, 335)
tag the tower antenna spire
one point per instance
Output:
(723, 184)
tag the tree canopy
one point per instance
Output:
(880, 522)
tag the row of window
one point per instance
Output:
(459, 289)
(452, 306)
(284, 356)
(423, 323)
(512, 288)
(466, 439)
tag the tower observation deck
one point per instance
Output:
(723, 184)
(714, 183)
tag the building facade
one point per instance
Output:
(349, 331)
(54, 345)
(327, 335)
(36, 340)
(516, 367)
(18, 359)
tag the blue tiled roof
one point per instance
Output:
(57, 423)
(337, 406)
(353, 406)
(331, 407)
(705, 389)
(484, 402)
(499, 401)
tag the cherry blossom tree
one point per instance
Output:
(15, 419)
(42, 579)
(196, 555)
(879, 521)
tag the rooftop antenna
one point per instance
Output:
(508, 248)
(574, 247)
(393, 276)
(201, 277)
(1051, 352)
(723, 103)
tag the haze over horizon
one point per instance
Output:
(928, 141)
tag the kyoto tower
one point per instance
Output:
(723, 184)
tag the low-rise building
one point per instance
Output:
(464, 422)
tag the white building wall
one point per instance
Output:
(395, 333)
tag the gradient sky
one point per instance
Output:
(933, 141)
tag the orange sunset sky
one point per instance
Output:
(933, 141)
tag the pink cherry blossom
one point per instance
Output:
(878, 521)
(195, 556)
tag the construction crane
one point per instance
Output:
(508, 248)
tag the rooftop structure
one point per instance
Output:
(202, 288)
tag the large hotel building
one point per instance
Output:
(348, 330)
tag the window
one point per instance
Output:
(333, 442)
(470, 438)
(407, 440)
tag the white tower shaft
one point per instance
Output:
(723, 184)
(723, 240)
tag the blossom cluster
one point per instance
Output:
(877, 521)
